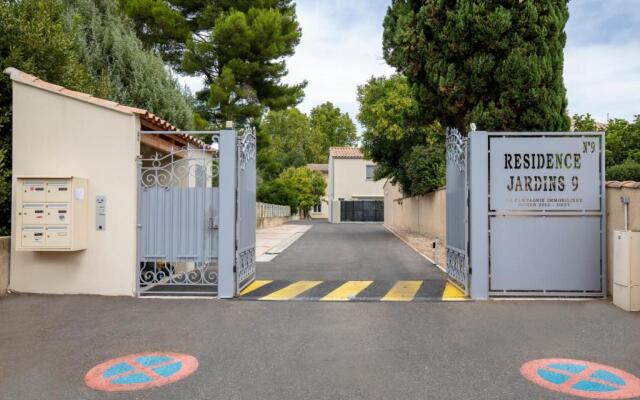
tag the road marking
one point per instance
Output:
(452, 293)
(403, 291)
(291, 291)
(255, 285)
(582, 378)
(347, 291)
(140, 371)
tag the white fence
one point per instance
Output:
(265, 210)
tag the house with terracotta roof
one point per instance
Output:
(351, 183)
(62, 135)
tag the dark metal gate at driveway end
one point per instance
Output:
(197, 217)
(362, 211)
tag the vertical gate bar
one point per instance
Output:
(227, 206)
(139, 223)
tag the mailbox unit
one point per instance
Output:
(51, 214)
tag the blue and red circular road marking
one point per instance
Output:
(582, 378)
(140, 371)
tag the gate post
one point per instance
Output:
(227, 219)
(479, 224)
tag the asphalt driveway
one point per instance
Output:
(335, 252)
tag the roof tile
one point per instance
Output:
(345, 152)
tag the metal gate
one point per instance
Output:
(196, 217)
(246, 214)
(362, 211)
(457, 209)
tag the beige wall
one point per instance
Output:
(56, 135)
(615, 219)
(5, 250)
(424, 214)
(349, 180)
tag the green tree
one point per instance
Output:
(300, 188)
(332, 127)
(407, 150)
(622, 154)
(110, 50)
(238, 46)
(293, 144)
(584, 123)
(496, 63)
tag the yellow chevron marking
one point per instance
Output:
(452, 293)
(255, 285)
(291, 291)
(347, 291)
(403, 291)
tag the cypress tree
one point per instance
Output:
(496, 63)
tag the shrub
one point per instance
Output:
(628, 171)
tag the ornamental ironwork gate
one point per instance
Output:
(457, 210)
(246, 213)
(196, 216)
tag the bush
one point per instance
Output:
(628, 171)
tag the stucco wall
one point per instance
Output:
(57, 135)
(5, 251)
(424, 214)
(615, 217)
(350, 180)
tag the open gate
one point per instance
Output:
(457, 210)
(196, 216)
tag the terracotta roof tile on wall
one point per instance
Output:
(153, 120)
(345, 152)
(626, 184)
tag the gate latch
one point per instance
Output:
(211, 224)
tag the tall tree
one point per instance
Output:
(497, 63)
(238, 46)
(333, 126)
(407, 149)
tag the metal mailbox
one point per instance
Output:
(52, 213)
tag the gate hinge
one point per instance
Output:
(469, 270)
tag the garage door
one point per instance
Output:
(362, 211)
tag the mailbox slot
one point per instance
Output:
(57, 236)
(57, 214)
(33, 191)
(33, 236)
(58, 191)
(33, 214)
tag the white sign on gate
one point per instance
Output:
(537, 207)
(553, 174)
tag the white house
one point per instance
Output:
(321, 211)
(351, 180)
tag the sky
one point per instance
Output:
(341, 48)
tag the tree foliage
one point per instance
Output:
(290, 138)
(237, 46)
(332, 127)
(406, 149)
(496, 63)
(300, 188)
(112, 54)
(622, 150)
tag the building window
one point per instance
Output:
(371, 169)
(317, 208)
